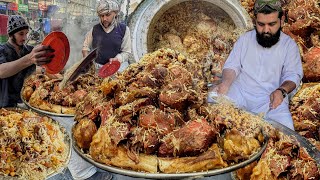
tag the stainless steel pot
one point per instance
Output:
(148, 12)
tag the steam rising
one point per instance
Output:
(76, 34)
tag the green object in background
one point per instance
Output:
(23, 8)
(3, 39)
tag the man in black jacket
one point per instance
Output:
(18, 60)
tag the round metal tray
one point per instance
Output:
(43, 111)
(169, 176)
(67, 141)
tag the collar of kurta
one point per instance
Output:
(109, 28)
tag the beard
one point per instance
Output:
(106, 24)
(14, 39)
(267, 40)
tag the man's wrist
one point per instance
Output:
(119, 58)
(43, 70)
(27, 60)
(283, 92)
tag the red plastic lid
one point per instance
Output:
(59, 42)
(109, 69)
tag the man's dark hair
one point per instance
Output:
(267, 10)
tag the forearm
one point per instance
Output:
(125, 47)
(84, 53)
(289, 86)
(276, 97)
(228, 76)
(87, 44)
(123, 56)
(9, 69)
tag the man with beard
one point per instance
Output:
(109, 36)
(264, 66)
(18, 60)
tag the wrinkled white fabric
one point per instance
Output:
(259, 105)
(79, 168)
(260, 71)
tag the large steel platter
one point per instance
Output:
(43, 111)
(164, 175)
(67, 140)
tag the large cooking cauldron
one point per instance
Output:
(149, 12)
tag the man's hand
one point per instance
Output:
(41, 55)
(221, 88)
(276, 96)
(55, 76)
(276, 99)
(228, 76)
(113, 59)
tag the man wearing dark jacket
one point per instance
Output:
(110, 37)
(18, 60)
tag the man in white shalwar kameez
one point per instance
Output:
(264, 66)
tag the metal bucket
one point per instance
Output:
(147, 14)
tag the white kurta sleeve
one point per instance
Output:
(125, 47)
(87, 44)
(292, 68)
(234, 59)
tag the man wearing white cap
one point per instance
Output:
(110, 37)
